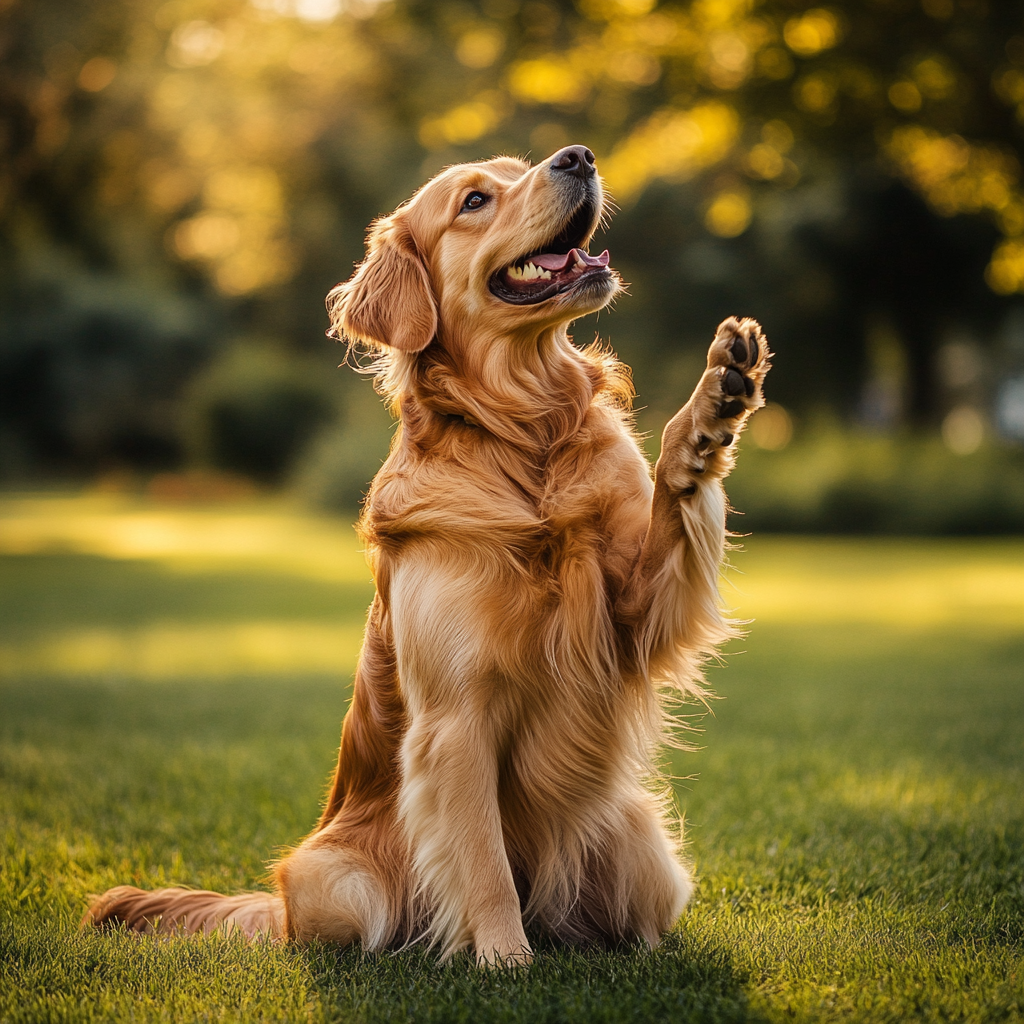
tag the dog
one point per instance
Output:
(539, 596)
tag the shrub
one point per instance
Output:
(254, 409)
(837, 481)
(337, 467)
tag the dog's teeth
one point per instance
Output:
(528, 273)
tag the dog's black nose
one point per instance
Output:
(575, 160)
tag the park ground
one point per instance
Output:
(172, 680)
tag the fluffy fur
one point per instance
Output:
(538, 595)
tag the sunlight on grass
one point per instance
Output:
(853, 809)
(171, 651)
(910, 584)
(261, 535)
(909, 794)
(254, 538)
(896, 583)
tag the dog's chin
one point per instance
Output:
(591, 294)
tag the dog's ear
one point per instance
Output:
(388, 302)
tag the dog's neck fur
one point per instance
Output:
(532, 393)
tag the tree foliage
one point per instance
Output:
(839, 170)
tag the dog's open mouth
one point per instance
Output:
(556, 267)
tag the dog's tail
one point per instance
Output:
(187, 912)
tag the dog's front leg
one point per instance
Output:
(450, 807)
(672, 599)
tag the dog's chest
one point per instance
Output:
(568, 525)
(501, 575)
(580, 522)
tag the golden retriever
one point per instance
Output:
(538, 596)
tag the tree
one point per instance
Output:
(847, 172)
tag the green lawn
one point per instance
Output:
(856, 814)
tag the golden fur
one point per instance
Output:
(536, 592)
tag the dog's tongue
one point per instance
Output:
(556, 261)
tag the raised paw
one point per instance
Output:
(739, 357)
(698, 442)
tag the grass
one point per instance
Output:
(856, 812)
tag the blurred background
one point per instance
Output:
(182, 595)
(182, 181)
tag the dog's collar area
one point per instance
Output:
(458, 418)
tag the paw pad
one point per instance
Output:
(739, 351)
(738, 360)
(705, 445)
(733, 382)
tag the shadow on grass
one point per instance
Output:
(683, 980)
(54, 972)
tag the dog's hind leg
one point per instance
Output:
(632, 884)
(652, 884)
(333, 892)
(349, 880)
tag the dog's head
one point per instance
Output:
(497, 247)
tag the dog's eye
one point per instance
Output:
(474, 201)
